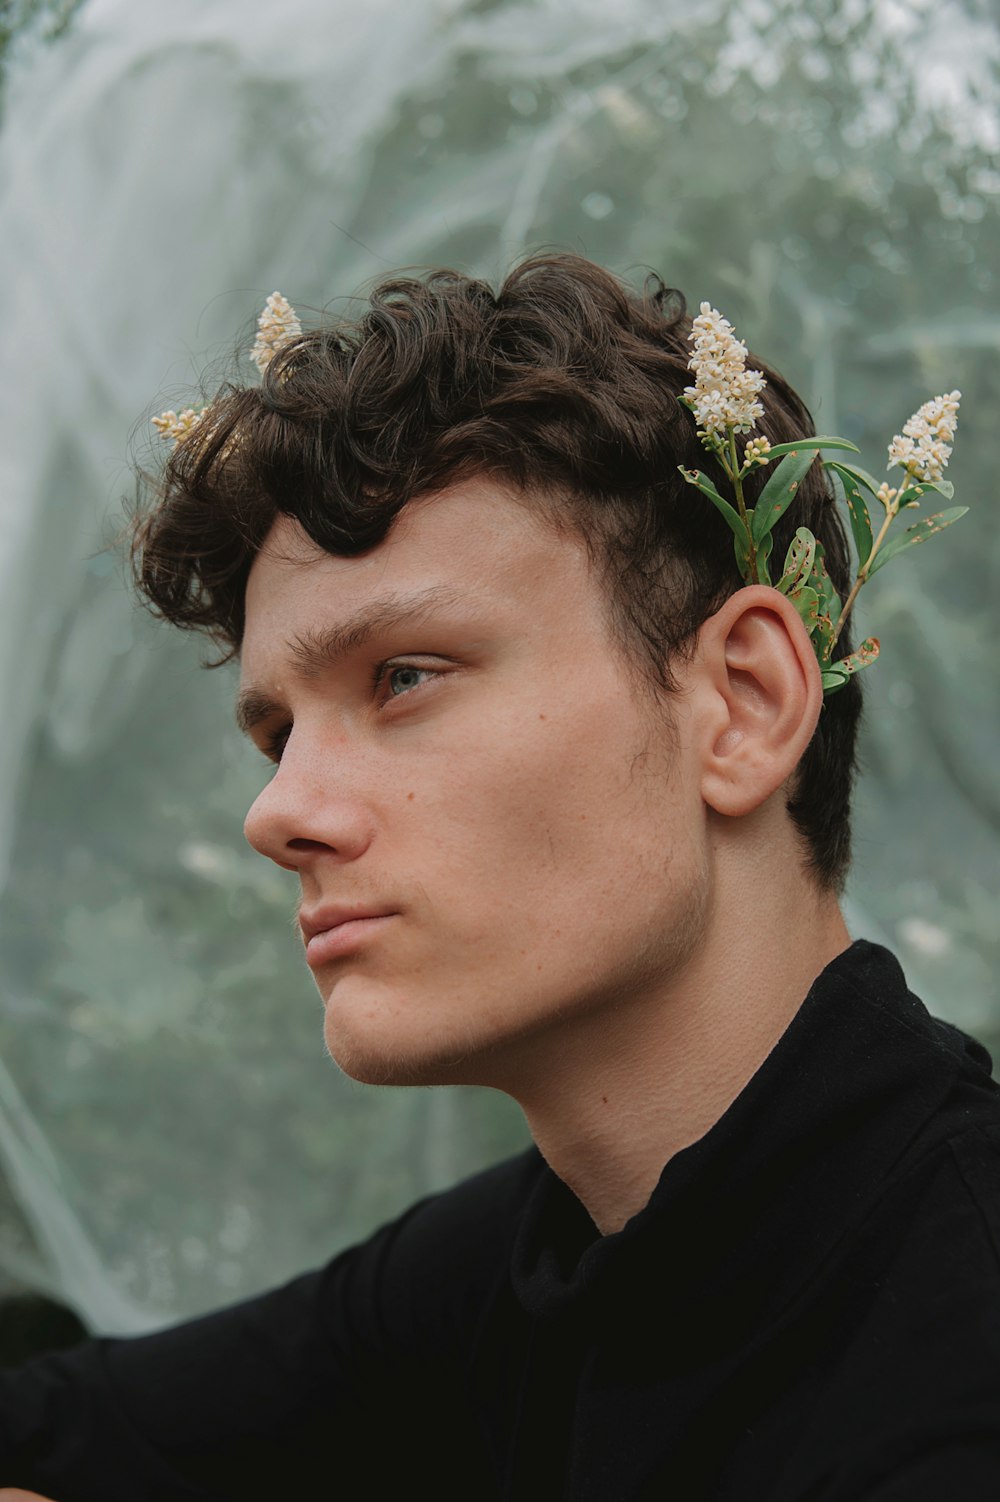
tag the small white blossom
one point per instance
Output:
(176, 425)
(756, 452)
(886, 494)
(725, 392)
(924, 446)
(900, 451)
(276, 327)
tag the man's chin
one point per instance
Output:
(370, 1064)
(379, 1033)
(376, 1045)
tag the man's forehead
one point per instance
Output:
(470, 541)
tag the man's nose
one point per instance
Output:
(306, 812)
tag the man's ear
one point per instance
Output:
(759, 687)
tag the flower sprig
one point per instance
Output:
(277, 326)
(724, 401)
(174, 425)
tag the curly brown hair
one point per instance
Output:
(564, 383)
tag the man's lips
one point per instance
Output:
(332, 931)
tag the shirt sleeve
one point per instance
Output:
(237, 1404)
(344, 1383)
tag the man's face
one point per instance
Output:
(467, 763)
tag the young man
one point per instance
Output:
(570, 818)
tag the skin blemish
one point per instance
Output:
(409, 797)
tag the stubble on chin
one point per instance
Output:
(372, 1041)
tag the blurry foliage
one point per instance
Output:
(28, 20)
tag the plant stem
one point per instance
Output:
(892, 510)
(741, 503)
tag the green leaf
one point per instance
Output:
(855, 470)
(919, 533)
(806, 602)
(798, 560)
(914, 492)
(823, 641)
(703, 483)
(763, 557)
(779, 492)
(861, 525)
(836, 674)
(829, 600)
(832, 679)
(808, 585)
(812, 443)
(742, 550)
(866, 654)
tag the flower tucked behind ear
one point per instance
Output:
(725, 393)
(724, 402)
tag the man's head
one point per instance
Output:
(509, 455)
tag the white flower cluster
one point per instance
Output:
(924, 446)
(175, 425)
(725, 393)
(276, 326)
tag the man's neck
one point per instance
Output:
(630, 1087)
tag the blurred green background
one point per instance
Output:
(172, 1134)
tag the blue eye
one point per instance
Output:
(402, 679)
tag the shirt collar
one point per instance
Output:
(744, 1216)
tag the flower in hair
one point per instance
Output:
(276, 327)
(756, 453)
(724, 402)
(724, 395)
(174, 425)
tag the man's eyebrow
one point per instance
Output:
(316, 650)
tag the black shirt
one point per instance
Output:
(808, 1310)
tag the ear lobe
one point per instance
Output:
(765, 698)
